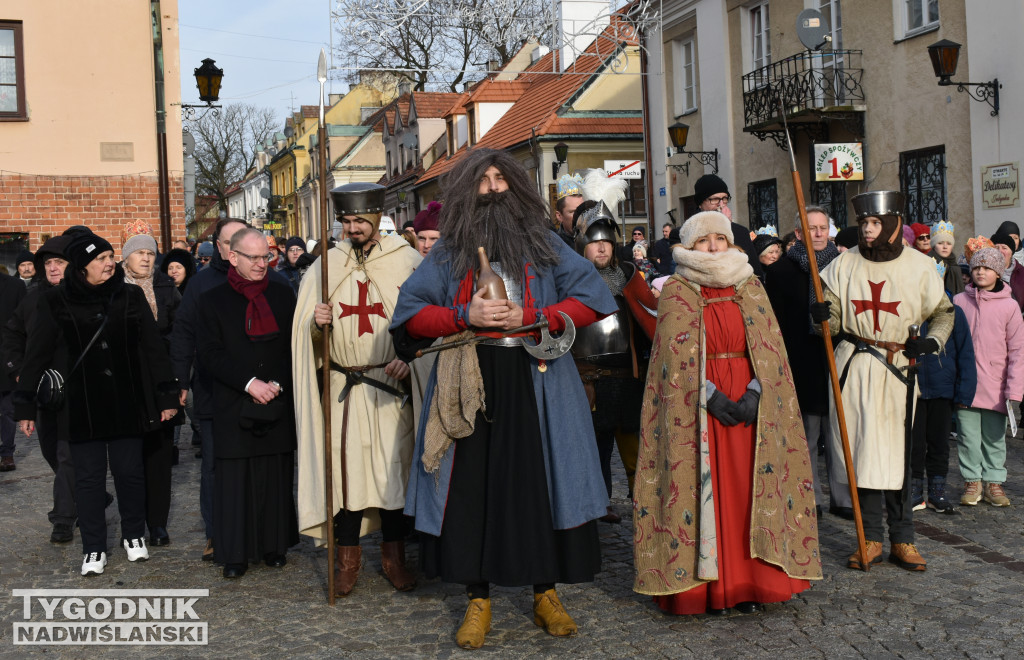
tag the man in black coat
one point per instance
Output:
(245, 345)
(184, 340)
(711, 193)
(52, 425)
(12, 292)
(661, 252)
(788, 284)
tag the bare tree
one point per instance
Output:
(226, 146)
(436, 43)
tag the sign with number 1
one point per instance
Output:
(837, 162)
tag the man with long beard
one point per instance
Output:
(516, 504)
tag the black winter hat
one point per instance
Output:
(83, 248)
(53, 247)
(765, 241)
(295, 241)
(1000, 238)
(708, 185)
(183, 257)
(847, 237)
(24, 256)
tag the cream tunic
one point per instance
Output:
(879, 301)
(380, 437)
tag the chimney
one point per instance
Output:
(579, 23)
(404, 87)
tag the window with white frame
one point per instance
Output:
(760, 39)
(684, 86)
(918, 16)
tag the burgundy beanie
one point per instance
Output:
(426, 220)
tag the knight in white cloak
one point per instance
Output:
(374, 394)
(874, 294)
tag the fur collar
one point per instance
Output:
(729, 268)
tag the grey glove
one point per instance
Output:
(720, 406)
(746, 407)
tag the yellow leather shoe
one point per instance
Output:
(475, 624)
(549, 613)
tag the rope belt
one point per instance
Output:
(357, 375)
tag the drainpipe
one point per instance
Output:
(163, 178)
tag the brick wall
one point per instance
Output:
(50, 204)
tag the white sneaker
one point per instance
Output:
(93, 563)
(136, 549)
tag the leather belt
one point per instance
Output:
(863, 347)
(591, 372)
(726, 356)
(890, 347)
(357, 375)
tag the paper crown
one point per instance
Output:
(569, 185)
(767, 230)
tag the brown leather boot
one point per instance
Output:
(874, 550)
(905, 555)
(392, 559)
(348, 559)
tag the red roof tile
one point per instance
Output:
(433, 104)
(310, 111)
(536, 111)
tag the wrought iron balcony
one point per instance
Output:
(813, 87)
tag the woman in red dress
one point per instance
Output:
(725, 515)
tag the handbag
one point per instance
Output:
(50, 390)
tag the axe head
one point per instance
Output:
(549, 348)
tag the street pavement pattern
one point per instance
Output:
(967, 604)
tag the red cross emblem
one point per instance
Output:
(363, 310)
(875, 304)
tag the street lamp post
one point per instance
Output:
(678, 133)
(208, 79)
(945, 55)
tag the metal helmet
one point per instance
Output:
(364, 200)
(878, 203)
(595, 223)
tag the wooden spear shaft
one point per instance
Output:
(837, 393)
(325, 346)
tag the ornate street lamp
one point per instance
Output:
(561, 155)
(678, 133)
(208, 78)
(945, 55)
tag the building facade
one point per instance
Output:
(723, 66)
(81, 119)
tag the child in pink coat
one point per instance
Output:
(997, 332)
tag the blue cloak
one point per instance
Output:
(575, 485)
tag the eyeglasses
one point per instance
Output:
(638, 233)
(204, 259)
(720, 200)
(261, 259)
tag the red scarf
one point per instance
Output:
(259, 319)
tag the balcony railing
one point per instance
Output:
(805, 81)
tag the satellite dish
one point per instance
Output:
(188, 143)
(289, 131)
(812, 29)
(265, 193)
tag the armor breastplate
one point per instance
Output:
(605, 342)
(515, 294)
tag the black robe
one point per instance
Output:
(254, 502)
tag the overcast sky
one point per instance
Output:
(268, 49)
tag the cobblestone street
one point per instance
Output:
(967, 604)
